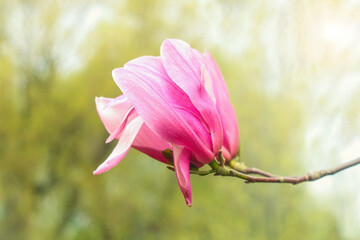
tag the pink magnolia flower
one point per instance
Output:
(178, 101)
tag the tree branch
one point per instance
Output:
(241, 167)
(237, 169)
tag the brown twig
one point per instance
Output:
(243, 172)
(241, 167)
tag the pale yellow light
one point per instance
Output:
(339, 34)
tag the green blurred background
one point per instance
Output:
(293, 72)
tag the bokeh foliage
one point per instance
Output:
(51, 138)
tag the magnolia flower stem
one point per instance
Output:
(241, 167)
(236, 169)
(221, 159)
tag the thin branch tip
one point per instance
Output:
(239, 169)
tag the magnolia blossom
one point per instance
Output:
(178, 101)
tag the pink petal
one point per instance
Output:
(181, 163)
(112, 112)
(130, 115)
(206, 79)
(217, 78)
(123, 146)
(150, 143)
(152, 68)
(183, 65)
(150, 103)
(225, 109)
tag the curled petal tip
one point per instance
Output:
(115, 71)
(100, 103)
(98, 99)
(188, 202)
(101, 169)
(109, 163)
(109, 139)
